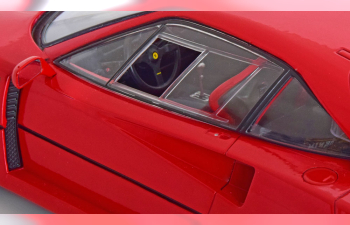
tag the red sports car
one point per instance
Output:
(176, 112)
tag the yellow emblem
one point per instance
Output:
(155, 55)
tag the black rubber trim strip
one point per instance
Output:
(126, 63)
(13, 153)
(114, 37)
(40, 24)
(109, 170)
(253, 114)
(195, 25)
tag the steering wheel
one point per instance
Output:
(157, 67)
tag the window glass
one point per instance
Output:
(236, 104)
(180, 68)
(296, 118)
(101, 62)
(68, 23)
(208, 41)
(158, 67)
(196, 87)
(225, 87)
(198, 74)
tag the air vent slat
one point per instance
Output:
(13, 155)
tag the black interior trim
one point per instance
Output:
(171, 200)
(263, 102)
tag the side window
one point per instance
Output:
(158, 66)
(297, 119)
(101, 62)
(211, 77)
(183, 69)
(198, 74)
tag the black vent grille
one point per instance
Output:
(13, 155)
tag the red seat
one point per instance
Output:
(230, 83)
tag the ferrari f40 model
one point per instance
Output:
(176, 112)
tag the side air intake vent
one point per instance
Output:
(13, 155)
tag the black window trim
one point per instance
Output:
(279, 84)
(254, 113)
(265, 103)
(173, 106)
(250, 117)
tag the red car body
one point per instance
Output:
(86, 149)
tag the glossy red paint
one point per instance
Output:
(158, 149)
(4, 85)
(320, 176)
(342, 204)
(345, 53)
(278, 180)
(93, 190)
(20, 77)
(156, 153)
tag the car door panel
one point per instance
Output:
(278, 185)
(342, 204)
(102, 191)
(176, 156)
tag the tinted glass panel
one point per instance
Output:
(218, 81)
(296, 118)
(183, 69)
(158, 67)
(100, 63)
(237, 103)
(68, 23)
(195, 89)
(208, 41)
